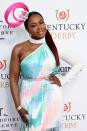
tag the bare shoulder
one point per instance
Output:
(19, 47)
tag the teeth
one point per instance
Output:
(41, 32)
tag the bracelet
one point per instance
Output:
(19, 108)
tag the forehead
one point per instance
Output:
(35, 18)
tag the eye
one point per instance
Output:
(41, 22)
(33, 25)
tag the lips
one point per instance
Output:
(40, 32)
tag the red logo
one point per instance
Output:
(63, 15)
(3, 65)
(67, 107)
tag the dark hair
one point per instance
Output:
(48, 38)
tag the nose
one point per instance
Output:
(39, 27)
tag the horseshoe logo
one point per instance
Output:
(62, 15)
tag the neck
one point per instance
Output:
(35, 41)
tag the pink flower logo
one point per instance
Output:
(24, 15)
(62, 15)
(67, 107)
(1, 65)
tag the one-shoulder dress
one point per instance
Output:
(42, 99)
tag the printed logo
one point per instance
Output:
(67, 107)
(8, 121)
(63, 15)
(6, 27)
(3, 65)
(5, 30)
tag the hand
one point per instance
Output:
(22, 112)
(54, 80)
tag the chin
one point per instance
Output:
(40, 37)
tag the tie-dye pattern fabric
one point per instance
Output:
(42, 99)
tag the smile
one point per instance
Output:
(40, 32)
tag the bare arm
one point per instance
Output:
(14, 75)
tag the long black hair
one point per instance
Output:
(48, 37)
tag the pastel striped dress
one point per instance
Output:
(42, 99)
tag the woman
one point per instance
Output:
(39, 98)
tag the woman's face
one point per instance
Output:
(36, 26)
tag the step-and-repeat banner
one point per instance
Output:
(67, 22)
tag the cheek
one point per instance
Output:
(33, 30)
(44, 26)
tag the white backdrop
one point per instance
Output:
(69, 33)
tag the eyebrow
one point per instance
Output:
(35, 23)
